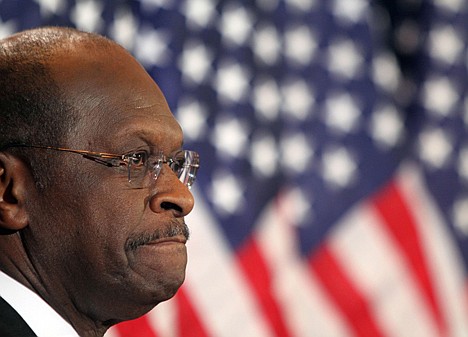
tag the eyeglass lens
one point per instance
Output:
(143, 170)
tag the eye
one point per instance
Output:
(177, 162)
(137, 159)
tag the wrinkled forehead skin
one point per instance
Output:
(108, 89)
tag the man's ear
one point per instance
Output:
(13, 179)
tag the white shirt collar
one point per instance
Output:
(39, 315)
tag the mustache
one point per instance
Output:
(173, 228)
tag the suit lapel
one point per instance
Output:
(11, 323)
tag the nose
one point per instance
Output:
(171, 195)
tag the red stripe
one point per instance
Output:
(189, 322)
(402, 227)
(259, 275)
(466, 292)
(344, 294)
(139, 327)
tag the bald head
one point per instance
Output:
(43, 44)
(30, 94)
(34, 108)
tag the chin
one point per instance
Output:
(170, 287)
(147, 302)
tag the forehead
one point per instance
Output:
(115, 100)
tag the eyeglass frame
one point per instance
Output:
(110, 160)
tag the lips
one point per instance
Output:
(171, 239)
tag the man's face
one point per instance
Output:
(91, 234)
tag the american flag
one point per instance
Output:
(333, 199)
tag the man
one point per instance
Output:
(94, 186)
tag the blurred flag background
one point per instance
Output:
(332, 200)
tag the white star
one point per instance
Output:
(300, 45)
(387, 126)
(298, 99)
(264, 155)
(124, 28)
(460, 216)
(230, 137)
(455, 6)
(463, 164)
(296, 153)
(192, 118)
(338, 167)
(301, 5)
(351, 11)
(445, 44)
(266, 44)
(151, 47)
(149, 5)
(199, 13)
(435, 147)
(232, 81)
(195, 62)
(300, 206)
(344, 59)
(7, 28)
(49, 7)
(226, 193)
(439, 95)
(235, 25)
(266, 99)
(86, 15)
(341, 113)
(385, 72)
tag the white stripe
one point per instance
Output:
(163, 319)
(215, 283)
(112, 332)
(376, 267)
(306, 311)
(444, 260)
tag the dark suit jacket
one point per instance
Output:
(11, 323)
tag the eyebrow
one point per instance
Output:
(148, 137)
(137, 127)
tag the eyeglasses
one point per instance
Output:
(142, 165)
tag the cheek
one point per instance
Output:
(86, 230)
(110, 222)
